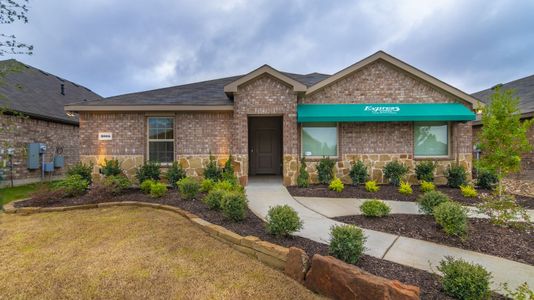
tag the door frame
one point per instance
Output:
(251, 157)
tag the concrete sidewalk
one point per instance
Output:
(265, 192)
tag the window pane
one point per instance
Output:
(319, 140)
(161, 128)
(162, 152)
(431, 139)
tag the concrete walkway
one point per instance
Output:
(265, 192)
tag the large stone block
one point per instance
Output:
(271, 249)
(297, 264)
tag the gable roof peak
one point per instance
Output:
(264, 69)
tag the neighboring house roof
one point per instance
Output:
(37, 93)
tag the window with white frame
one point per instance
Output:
(161, 139)
(319, 139)
(431, 139)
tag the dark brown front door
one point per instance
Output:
(265, 145)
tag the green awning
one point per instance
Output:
(383, 112)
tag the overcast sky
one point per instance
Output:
(115, 47)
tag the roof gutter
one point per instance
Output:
(77, 108)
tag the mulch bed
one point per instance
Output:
(252, 225)
(484, 237)
(389, 192)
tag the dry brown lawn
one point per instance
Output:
(127, 252)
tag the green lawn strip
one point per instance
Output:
(9, 194)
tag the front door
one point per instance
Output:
(265, 145)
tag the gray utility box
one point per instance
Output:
(34, 150)
(59, 161)
(49, 167)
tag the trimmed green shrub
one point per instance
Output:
(73, 185)
(228, 170)
(427, 186)
(358, 173)
(214, 198)
(228, 186)
(111, 167)
(325, 170)
(486, 179)
(463, 280)
(116, 183)
(425, 170)
(212, 170)
(336, 185)
(189, 188)
(146, 185)
(371, 186)
(452, 217)
(234, 206)
(428, 201)
(456, 176)
(83, 170)
(405, 188)
(303, 180)
(468, 191)
(206, 185)
(158, 190)
(394, 171)
(347, 243)
(150, 170)
(175, 173)
(375, 208)
(282, 220)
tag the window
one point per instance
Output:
(319, 139)
(431, 139)
(161, 139)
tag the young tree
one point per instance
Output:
(503, 138)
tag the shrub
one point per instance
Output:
(83, 170)
(504, 211)
(228, 186)
(428, 201)
(358, 173)
(468, 191)
(427, 186)
(347, 243)
(150, 170)
(116, 183)
(228, 170)
(464, 280)
(146, 185)
(371, 186)
(522, 292)
(405, 188)
(158, 190)
(375, 208)
(282, 220)
(336, 185)
(188, 187)
(206, 185)
(73, 185)
(303, 180)
(486, 179)
(425, 171)
(456, 176)
(175, 173)
(214, 198)
(452, 217)
(234, 206)
(325, 169)
(394, 171)
(111, 167)
(212, 170)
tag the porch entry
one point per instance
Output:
(265, 145)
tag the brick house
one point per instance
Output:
(32, 102)
(377, 110)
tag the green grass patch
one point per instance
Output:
(9, 194)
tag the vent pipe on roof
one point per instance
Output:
(62, 89)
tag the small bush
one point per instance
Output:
(456, 176)
(158, 190)
(522, 292)
(228, 170)
(464, 280)
(486, 179)
(150, 170)
(73, 185)
(303, 180)
(375, 208)
(394, 171)
(226, 185)
(427, 186)
(428, 201)
(175, 173)
(83, 170)
(405, 188)
(189, 188)
(325, 169)
(425, 171)
(206, 185)
(452, 217)
(371, 186)
(468, 191)
(116, 184)
(146, 185)
(111, 167)
(212, 170)
(282, 220)
(234, 206)
(336, 185)
(214, 198)
(358, 173)
(347, 243)
(505, 211)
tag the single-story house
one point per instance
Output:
(32, 103)
(378, 110)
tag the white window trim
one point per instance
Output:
(449, 143)
(302, 125)
(148, 139)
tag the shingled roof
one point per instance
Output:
(37, 93)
